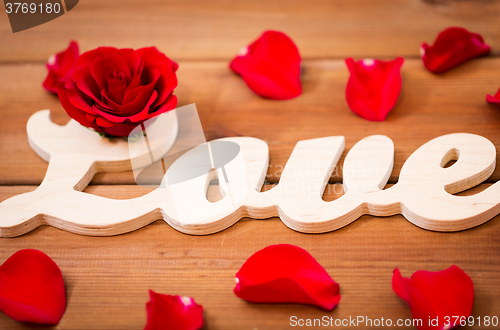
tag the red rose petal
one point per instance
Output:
(453, 47)
(118, 129)
(270, 66)
(90, 117)
(151, 56)
(132, 58)
(103, 122)
(449, 292)
(76, 113)
(147, 86)
(153, 59)
(173, 312)
(110, 62)
(32, 288)
(91, 55)
(76, 97)
(168, 105)
(136, 80)
(373, 87)
(86, 83)
(58, 65)
(494, 99)
(286, 274)
(165, 84)
(138, 117)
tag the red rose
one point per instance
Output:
(115, 90)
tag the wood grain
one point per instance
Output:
(217, 29)
(429, 106)
(108, 278)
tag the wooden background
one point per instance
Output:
(107, 278)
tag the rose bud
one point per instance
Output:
(115, 90)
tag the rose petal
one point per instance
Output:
(138, 117)
(32, 288)
(373, 87)
(270, 66)
(116, 94)
(103, 122)
(168, 80)
(165, 84)
(132, 58)
(59, 64)
(91, 55)
(90, 117)
(286, 274)
(173, 312)
(136, 80)
(100, 68)
(151, 56)
(74, 112)
(449, 292)
(494, 99)
(117, 129)
(86, 83)
(149, 80)
(76, 97)
(168, 105)
(453, 47)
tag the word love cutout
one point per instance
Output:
(423, 195)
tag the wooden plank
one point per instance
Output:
(108, 278)
(216, 29)
(429, 106)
